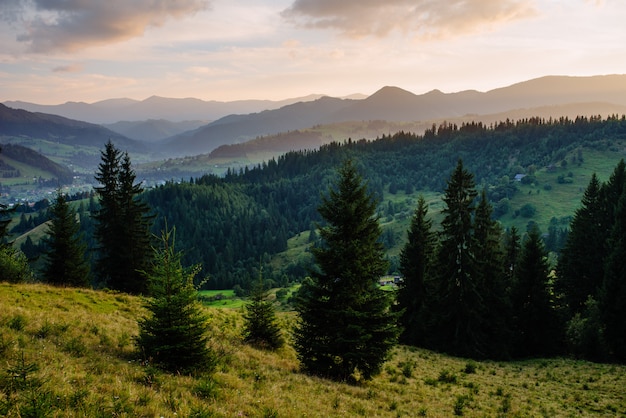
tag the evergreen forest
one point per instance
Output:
(468, 285)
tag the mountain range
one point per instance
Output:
(21, 123)
(551, 96)
(165, 119)
(155, 107)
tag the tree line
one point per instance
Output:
(228, 224)
(219, 219)
(469, 289)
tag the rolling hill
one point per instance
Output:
(17, 161)
(23, 124)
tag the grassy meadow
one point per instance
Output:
(69, 353)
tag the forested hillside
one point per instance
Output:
(229, 224)
(33, 159)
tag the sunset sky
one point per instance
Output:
(53, 51)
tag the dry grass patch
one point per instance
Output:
(70, 353)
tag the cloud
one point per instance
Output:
(423, 18)
(70, 25)
(71, 68)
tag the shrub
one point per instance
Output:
(528, 210)
(470, 367)
(14, 266)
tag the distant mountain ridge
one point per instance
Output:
(21, 123)
(398, 105)
(155, 107)
(152, 130)
(550, 96)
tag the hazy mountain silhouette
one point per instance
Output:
(240, 128)
(546, 97)
(155, 107)
(590, 95)
(21, 123)
(152, 129)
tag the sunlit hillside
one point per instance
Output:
(70, 352)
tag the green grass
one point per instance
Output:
(74, 350)
(221, 299)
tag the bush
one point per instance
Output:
(14, 266)
(528, 210)
(584, 333)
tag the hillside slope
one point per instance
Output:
(32, 164)
(69, 352)
(21, 123)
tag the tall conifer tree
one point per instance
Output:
(65, 253)
(122, 224)
(459, 313)
(416, 260)
(581, 265)
(613, 292)
(491, 280)
(536, 324)
(346, 327)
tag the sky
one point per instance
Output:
(54, 51)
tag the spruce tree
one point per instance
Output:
(65, 249)
(136, 234)
(609, 195)
(122, 224)
(536, 323)
(261, 327)
(173, 335)
(613, 292)
(491, 280)
(581, 264)
(416, 258)
(346, 328)
(459, 324)
(108, 217)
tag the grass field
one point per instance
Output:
(220, 299)
(70, 353)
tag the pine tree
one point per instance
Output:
(173, 336)
(416, 258)
(491, 280)
(136, 234)
(613, 292)
(346, 327)
(609, 195)
(581, 264)
(536, 325)
(65, 250)
(261, 327)
(108, 217)
(458, 301)
(122, 224)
